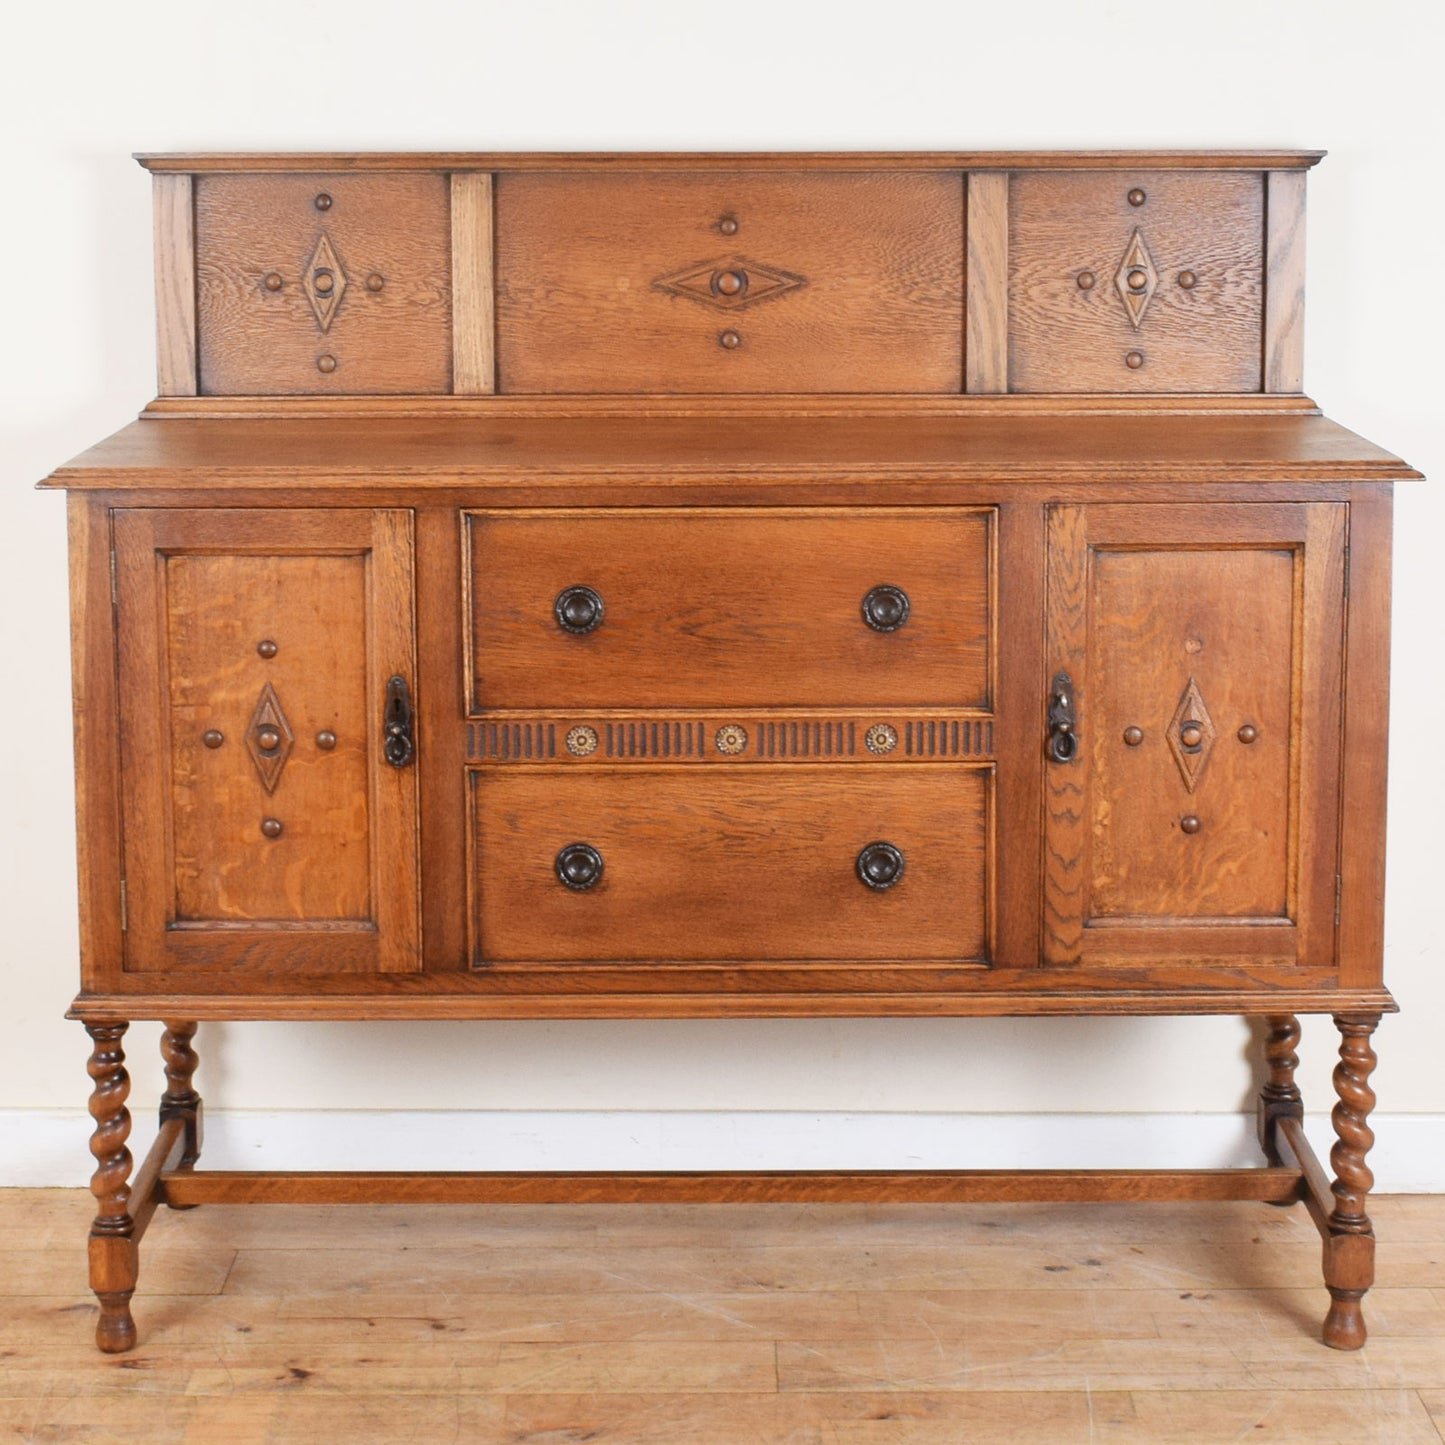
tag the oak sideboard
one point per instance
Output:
(648, 585)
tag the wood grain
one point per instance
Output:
(875, 261)
(474, 360)
(393, 339)
(986, 345)
(1284, 283)
(717, 608)
(1065, 337)
(175, 243)
(731, 864)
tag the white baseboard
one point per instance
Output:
(47, 1147)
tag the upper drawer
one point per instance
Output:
(730, 282)
(1145, 281)
(323, 283)
(703, 608)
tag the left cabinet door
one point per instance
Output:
(262, 656)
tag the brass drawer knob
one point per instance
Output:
(579, 866)
(886, 608)
(880, 866)
(578, 610)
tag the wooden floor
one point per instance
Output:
(723, 1325)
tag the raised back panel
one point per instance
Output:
(332, 284)
(730, 282)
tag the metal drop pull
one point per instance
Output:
(579, 866)
(398, 744)
(1063, 740)
(578, 610)
(886, 608)
(880, 866)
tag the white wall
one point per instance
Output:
(88, 84)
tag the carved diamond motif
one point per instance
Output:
(269, 726)
(324, 281)
(1191, 735)
(729, 284)
(1136, 280)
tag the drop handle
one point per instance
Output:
(579, 867)
(398, 742)
(880, 866)
(578, 610)
(886, 608)
(1063, 741)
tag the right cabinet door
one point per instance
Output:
(1193, 733)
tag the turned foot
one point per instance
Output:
(115, 1329)
(1349, 1255)
(112, 1249)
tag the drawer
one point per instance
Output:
(325, 283)
(741, 282)
(704, 608)
(734, 864)
(1136, 281)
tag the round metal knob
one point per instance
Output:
(729, 340)
(730, 283)
(323, 202)
(266, 649)
(268, 740)
(326, 740)
(1248, 733)
(1189, 823)
(326, 364)
(880, 866)
(578, 610)
(579, 866)
(728, 225)
(213, 737)
(272, 281)
(375, 281)
(1133, 360)
(1133, 736)
(1188, 280)
(1086, 280)
(1137, 197)
(1191, 735)
(886, 608)
(271, 827)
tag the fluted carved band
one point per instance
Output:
(111, 1087)
(1354, 1137)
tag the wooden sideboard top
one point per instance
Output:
(1284, 158)
(279, 452)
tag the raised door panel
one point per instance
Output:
(265, 828)
(1192, 794)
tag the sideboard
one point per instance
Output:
(641, 586)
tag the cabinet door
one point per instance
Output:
(1191, 800)
(265, 828)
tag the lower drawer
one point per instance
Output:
(731, 864)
